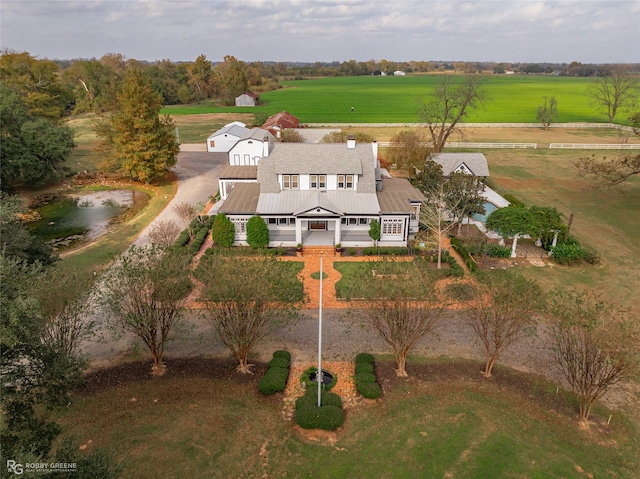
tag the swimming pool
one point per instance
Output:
(488, 208)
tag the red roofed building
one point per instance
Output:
(280, 121)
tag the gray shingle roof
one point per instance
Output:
(233, 130)
(396, 195)
(476, 162)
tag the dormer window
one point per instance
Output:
(345, 181)
(318, 182)
(290, 182)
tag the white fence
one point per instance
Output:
(477, 125)
(594, 146)
(454, 144)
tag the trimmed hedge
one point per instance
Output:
(327, 417)
(462, 251)
(281, 353)
(364, 378)
(370, 390)
(385, 251)
(326, 398)
(279, 363)
(307, 382)
(364, 358)
(275, 379)
(364, 368)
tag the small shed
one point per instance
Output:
(247, 99)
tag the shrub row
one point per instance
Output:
(246, 251)
(513, 200)
(456, 270)
(275, 379)
(200, 227)
(365, 379)
(385, 251)
(462, 251)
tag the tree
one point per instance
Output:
(449, 105)
(65, 314)
(245, 298)
(134, 138)
(291, 136)
(548, 112)
(223, 233)
(547, 223)
(257, 232)
(615, 90)
(200, 78)
(374, 231)
(505, 314)
(34, 376)
(511, 222)
(186, 212)
(33, 149)
(401, 312)
(163, 233)
(145, 293)
(594, 345)
(410, 150)
(37, 83)
(15, 240)
(231, 79)
(607, 173)
(469, 189)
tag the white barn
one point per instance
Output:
(226, 137)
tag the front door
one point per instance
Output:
(317, 226)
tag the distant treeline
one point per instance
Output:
(55, 88)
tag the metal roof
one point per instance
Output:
(300, 201)
(397, 194)
(243, 199)
(231, 129)
(450, 162)
(233, 172)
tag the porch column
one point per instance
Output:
(298, 231)
(338, 234)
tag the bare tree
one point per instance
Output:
(65, 305)
(186, 212)
(163, 233)
(615, 90)
(548, 112)
(246, 297)
(402, 312)
(145, 293)
(449, 105)
(607, 173)
(595, 347)
(505, 314)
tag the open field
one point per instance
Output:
(203, 420)
(509, 99)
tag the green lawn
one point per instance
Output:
(509, 99)
(445, 421)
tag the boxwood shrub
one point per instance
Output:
(275, 379)
(328, 417)
(364, 368)
(497, 251)
(364, 358)
(364, 378)
(282, 354)
(305, 379)
(279, 363)
(326, 398)
(370, 390)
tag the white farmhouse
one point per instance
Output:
(319, 194)
(251, 147)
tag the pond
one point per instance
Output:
(488, 208)
(68, 219)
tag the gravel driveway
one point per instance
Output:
(197, 173)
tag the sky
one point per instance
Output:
(528, 31)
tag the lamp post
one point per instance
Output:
(319, 375)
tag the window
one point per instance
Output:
(212, 143)
(345, 181)
(272, 221)
(392, 227)
(289, 182)
(240, 225)
(364, 221)
(343, 221)
(236, 159)
(317, 181)
(282, 221)
(353, 221)
(349, 182)
(340, 181)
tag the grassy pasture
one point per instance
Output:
(444, 421)
(509, 99)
